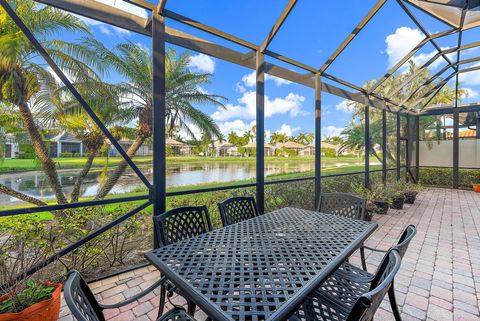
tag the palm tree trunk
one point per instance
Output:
(118, 172)
(11, 192)
(42, 153)
(78, 183)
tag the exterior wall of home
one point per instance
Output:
(433, 153)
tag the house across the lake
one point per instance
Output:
(126, 143)
(178, 148)
(226, 149)
(11, 149)
(65, 144)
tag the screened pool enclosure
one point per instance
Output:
(415, 136)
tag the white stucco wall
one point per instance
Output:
(434, 153)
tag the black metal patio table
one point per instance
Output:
(261, 268)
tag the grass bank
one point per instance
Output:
(18, 165)
(325, 171)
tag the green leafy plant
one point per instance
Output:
(32, 293)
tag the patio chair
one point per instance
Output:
(347, 297)
(237, 209)
(402, 244)
(174, 226)
(84, 307)
(342, 204)
(349, 270)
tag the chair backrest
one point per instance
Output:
(237, 209)
(182, 223)
(342, 204)
(80, 300)
(405, 239)
(367, 304)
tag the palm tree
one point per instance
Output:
(183, 91)
(104, 100)
(415, 88)
(22, 77)
(249, 136)
(276, 138)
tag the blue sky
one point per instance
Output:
(310, 34)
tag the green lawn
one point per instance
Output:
(14, 165)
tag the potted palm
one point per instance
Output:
(22, 298)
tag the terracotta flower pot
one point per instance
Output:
(47, 310)
(476, 188)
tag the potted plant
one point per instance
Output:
(411, 192)
(22, 298)
(377, 199)
(397, 194)
(380, 198)
(32, 302)
(476, 188)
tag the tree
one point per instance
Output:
(304, 138)
(249, 136)
(183, 93)
(104, 100)
(22, 77)
(410, 93)
(277, 138)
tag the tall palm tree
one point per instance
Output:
(22, 77)
(104, 100)
(183, 93)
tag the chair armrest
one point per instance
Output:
(136, 296)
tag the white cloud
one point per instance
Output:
(105, 30)
(471, 78)
(202, 63)
(287, 130)
(401, 42)
(238, 126)
(472, 93)
(331, 130)
(246, 109)
(249, 80)
(344, 107)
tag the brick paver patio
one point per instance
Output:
(439, 279)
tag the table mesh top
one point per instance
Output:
(252, 268)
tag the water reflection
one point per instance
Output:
(35, 183)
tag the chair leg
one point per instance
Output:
(362, 256)
(393, 303)
(191, 307)
(163, 298)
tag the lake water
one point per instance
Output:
(35, 183)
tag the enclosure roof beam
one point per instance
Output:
(278, 24)
(435, 89)
(425, 31)
(122, 19)
(352, 35)
(474, 107)
(408, 56)
(426, 83)
(413, 75)
(161, 6)
(213, 31)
